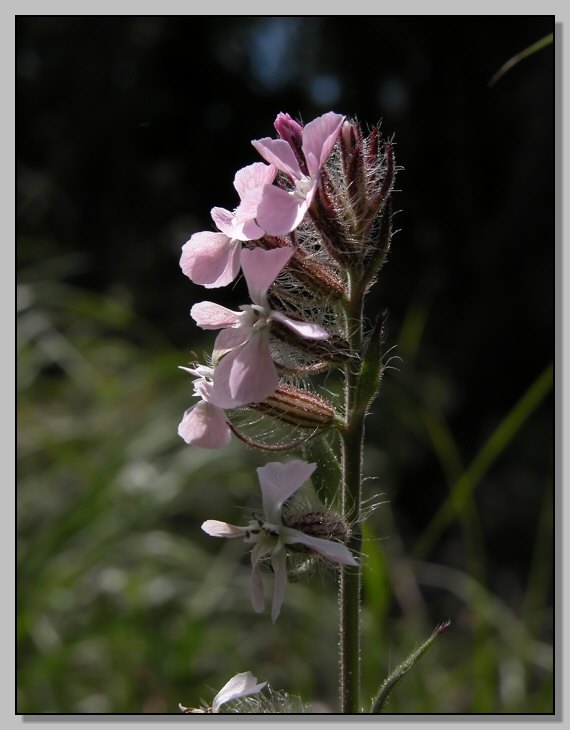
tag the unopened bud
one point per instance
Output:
(292, 132)
(315, 276)
(378, 200)
(333, 234)
(320, 524)
(297, 407)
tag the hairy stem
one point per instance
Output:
(350, 577)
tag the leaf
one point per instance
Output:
(371, 369)
(327, 476)
(402, 669)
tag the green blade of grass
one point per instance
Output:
(491, 450)
(534, 48)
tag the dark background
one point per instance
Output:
(130, 129)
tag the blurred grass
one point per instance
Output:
(125, 606)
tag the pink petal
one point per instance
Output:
(288, 129)
(261, 268)
(228, 339)
(242, 685)
(253, 176)
(245, 375)
(205, 425)
(334, 551)
(223, 219)
(280, 212)
(245, 226)
(210, 259)
(240, 225)
(278, 482)
(308, 330)
(215, 528)
(319, 137)
(279, 153)
(279, 564)
(211, 316)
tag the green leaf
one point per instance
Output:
(402, 669)
(327, 476)
(371, 370)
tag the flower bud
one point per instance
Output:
(333, 233)
(322, 524)
(315, 276)
(352, 151)
(297, 407)
(292, 132)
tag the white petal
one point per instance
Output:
(241, 685)
(332, 550)
(257, 601)
(278, 482)
(212, 316)
(279, 563)
(215, 528)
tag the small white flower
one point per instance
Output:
(242, 685)
(270, 536)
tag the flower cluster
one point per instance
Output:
(310, 232)
(306, 219)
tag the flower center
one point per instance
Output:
(302, 187)
(255, 316)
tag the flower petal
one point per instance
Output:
(228, 339)
(212, 316)
(279, 564)
(288, 129)
(308, 330)
(279, 153)
(257, 600)
(253, 176)
(278, 482)
(241, 685)
(332, 550)
(224, 220)
(205, 425)
(261, 268)
(245, 375)
(280, 212)
(245, 224)
(210, 259)
(215, 528)
(319, 137)
(241, 224)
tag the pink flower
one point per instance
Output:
(205, 424)
(213, 258)
(270, 536)
(279, 211)
(245, 372)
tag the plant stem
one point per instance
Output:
(350, 577)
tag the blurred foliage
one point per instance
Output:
(130, 130)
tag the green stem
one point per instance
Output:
(350, 577)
